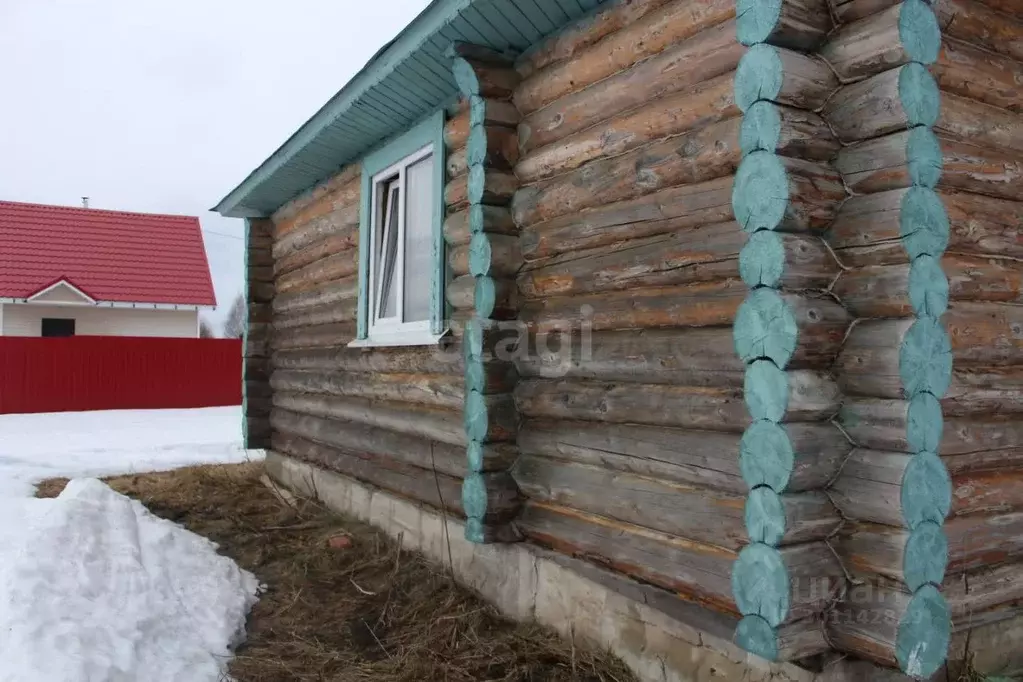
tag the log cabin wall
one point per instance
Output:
(929, 114)
(647, 444)
(390, 417)
(259, 293)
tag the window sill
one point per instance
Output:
(396, 340)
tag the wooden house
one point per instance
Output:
(688, 327)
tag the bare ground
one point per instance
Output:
(366, 612)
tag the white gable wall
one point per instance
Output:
(61, 293)
(25, 319)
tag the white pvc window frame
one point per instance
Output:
(392, 330)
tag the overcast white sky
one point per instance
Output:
(167, 106)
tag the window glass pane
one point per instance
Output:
(388, 292)
(419, 264)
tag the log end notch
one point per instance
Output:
(491, 258)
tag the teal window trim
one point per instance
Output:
(428, 131)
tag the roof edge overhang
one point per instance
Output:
(428, 23)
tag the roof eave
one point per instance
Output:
(426, 24)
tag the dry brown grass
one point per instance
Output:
(368, 612)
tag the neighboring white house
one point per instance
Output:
(68, 271)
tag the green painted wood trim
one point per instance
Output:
(754, 634)
(766, 391)
(755, 20)
(474, 496)
(485, 296)
(925, 356)
(924, 634)
(924, 423)
(925, 556)
(766, 455)
(480, 254)
(245, 337)
(760, 583)
(761, 128)
(918, 92)
(765, 516)
(759, 76)
(926, 494)
(919, 32)
(923, 152)
(923, 223)
(765, 328)
(429, 131)
(762, 260)
(760, 193)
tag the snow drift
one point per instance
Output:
(93, 587)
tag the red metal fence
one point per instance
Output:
(117, 372)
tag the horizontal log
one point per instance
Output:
(367, 441)
(868, 228)
(330, 269)
(882, 424)
(257, 340)
(685, 206)
(456, 162)
(869, 366)
(259, 256)
(493, 146)
(907, 32)
(313, 337)
(505, 256)
(438, 390)
(495, 299)
(707, 253)
(893, 628)
(980, 24)
(979, 124)
(339, 221)
(337, 242)
(609, 18)
(495, 112)
(490, 187)
(327, 313)
(431, 423)
(695, 457)
(691, 357)
(648, 36)
(783, 76)
(490, 219)
(336, 293)
(974, 541)
(917, 157)
(686, 511)
(812, 397)
(871, 488)
(705, 154)
(799, 24)
(339, 191)
(703, 304)
(700, 573)
(407, 481)
(709, 54)
(902, 97)
(706, 103)
(787, 131)
(397, 360)
(847, 11)
(490, 418)
(778, 193)
(260, 292)
(905, 289)
(969, 71)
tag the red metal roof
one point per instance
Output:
(110, 255)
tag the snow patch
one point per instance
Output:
(94, 587)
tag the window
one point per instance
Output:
(400, 241)
(58, 326)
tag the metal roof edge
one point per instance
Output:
(436, 15)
